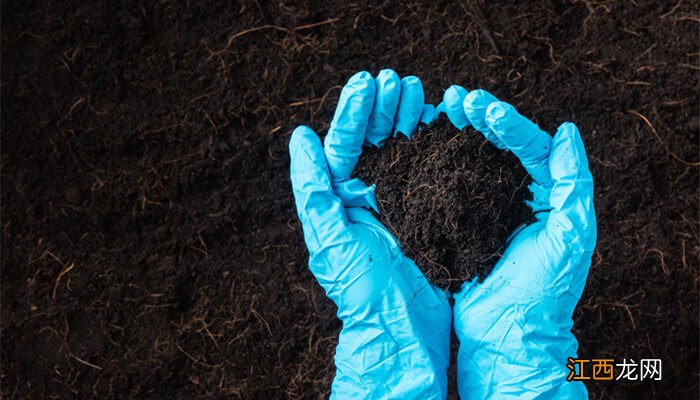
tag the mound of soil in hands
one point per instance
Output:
(450, 197)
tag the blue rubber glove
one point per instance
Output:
(515, 327)
(396, 326)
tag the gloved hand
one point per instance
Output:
(515, 327)
(396, 326)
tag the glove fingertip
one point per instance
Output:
(475, 103)
(497, 114)
(302, 137)
(360, 77)
(343, 144)
(568, 155)
(387, 92)
(410, 106)
(307, 157)
(453, 99)
(571, 198)
(388, 74)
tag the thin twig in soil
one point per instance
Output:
(308, 26)
(235, 36)
(262, 320)
(80, 360)
(664, 144)
(516, 190)
(64, 271)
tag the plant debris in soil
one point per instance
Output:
(450, 197)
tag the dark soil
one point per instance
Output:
(450, 197)
(150, 247)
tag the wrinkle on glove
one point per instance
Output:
(354, 193)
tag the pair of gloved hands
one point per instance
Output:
(514, 328)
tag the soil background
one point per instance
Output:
(150, 247)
